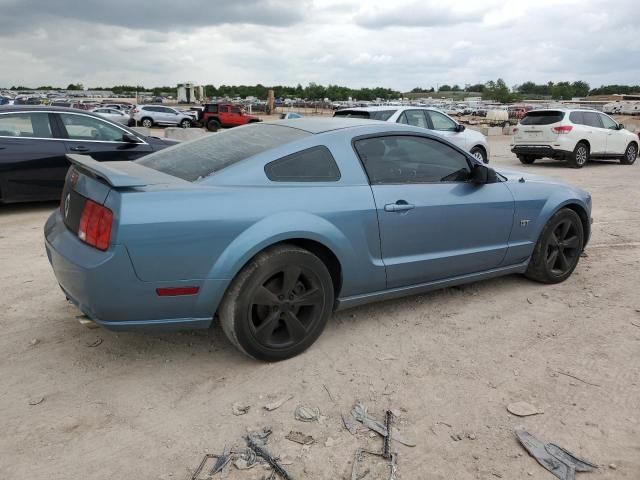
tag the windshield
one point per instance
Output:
(546, 117)
(204, 156)
(376, 115)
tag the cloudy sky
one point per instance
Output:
(393, 43)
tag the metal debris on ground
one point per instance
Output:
(560, 462)
(95, 343)
(278, 403)
(386, 445)
(523, 409)
(362, 470)
(240, 408)
(299, 437)
(307, 414)
(222, 461)
(349, 423)
(265, 455)
(359, 412)
(36, 401)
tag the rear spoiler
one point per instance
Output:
(121, 174)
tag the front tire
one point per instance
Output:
(185, 123)
(630, 154)
(147, 122)
(479, 154)
(580, 155)
(558, 249)
(278, 304)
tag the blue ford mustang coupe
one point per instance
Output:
(273, 226)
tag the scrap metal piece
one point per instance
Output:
(386, 445)
(222, 461)
(359, 412)
(349, 423)
(299, 437)
(560, 462)
(265, 455)
(307, 414)
(204, 461)
(361, 454)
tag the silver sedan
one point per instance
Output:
(112, 114)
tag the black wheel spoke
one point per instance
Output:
(563, 263)
(291, 276)
(551, 259)
(296, 329)
(553, 240)
(312, 297)
(265, 330)
(264, 296)
(564, 230)
(571, 242)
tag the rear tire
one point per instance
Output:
(147, 122)
(630, 154)
(558, 249)
(580, 156)
(526, 159)
(185, 123)
(278, 304)
(213, 125)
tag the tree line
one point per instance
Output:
(492, 90)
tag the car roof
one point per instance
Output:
(41, 108)
(325, 124)
(378, 108)
(565, 109)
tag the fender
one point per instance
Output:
(277, 228)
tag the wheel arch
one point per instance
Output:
(483, 148)
(586, 142)
(584, 219)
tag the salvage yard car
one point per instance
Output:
(150, 115)
(470, 140)
(35, 139)
(273, 226)
(573, 135)
(215, 116)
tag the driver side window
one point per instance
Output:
(82, 127)
(409, 159)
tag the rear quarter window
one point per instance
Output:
(312, 165)
(204, 156)
(376, 115)
(546, 117)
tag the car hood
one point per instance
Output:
(516, 175)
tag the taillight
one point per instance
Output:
(95, 225)
(562, 128)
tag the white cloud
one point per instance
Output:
(399, 44)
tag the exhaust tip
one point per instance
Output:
(87, 322)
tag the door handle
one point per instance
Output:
(80, 148)
(399, 206)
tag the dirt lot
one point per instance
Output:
(142, 406)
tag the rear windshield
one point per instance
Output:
(204, 156)
(376, 115)
(546, 117)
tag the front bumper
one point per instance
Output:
(104, 287)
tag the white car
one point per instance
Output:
(150, 115)
(441, 124)
(112, 114)
(574, 135)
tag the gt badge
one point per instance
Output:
(524, 223)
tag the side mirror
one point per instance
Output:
(620, 126)
(127, 137)
(460, 128)
(481, 174)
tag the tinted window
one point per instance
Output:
(415, 118)
(546, 117)
(235, 109)
(406, 159)
(211, 108)
(441, 121)
(608, 122)
(204, 156)
(25, 125)
(592, 119)
(312, 165)
(83, 127)
(576, 117)
(375, 115)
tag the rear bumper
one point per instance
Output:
(104, 286)
(540, 151)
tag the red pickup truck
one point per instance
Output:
(217, 115)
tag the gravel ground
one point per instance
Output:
(144, 406)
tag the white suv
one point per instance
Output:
(574, 135)
(150, 115)
(441, 124)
